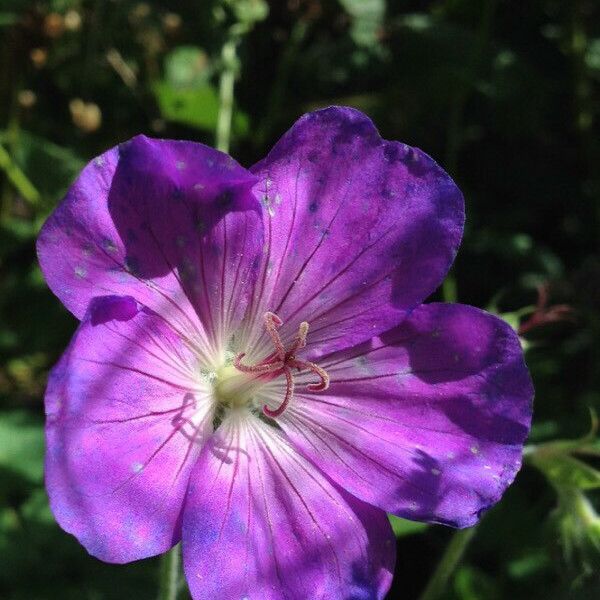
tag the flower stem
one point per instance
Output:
(169, 574)
(226, 84)
(448, 563)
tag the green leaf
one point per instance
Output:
(194, 107)
(250, 11)
(367, 19)
(36, 508)
(531, 561)
(187, 67)
(197, 107)
(50, 167)
(579, 527)
(7, 19)
(592, 55)
(403, 527)
(22, 444)
(473, 584)
(565, 471)
(185, 95)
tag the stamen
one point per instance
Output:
(282, 362)
(322, 373)
(289, 392)
(272, 322)
(300, 339)
(261, 368)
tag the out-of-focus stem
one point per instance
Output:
(448, 563)
(169, 574)
(226, 87)
(18, 178)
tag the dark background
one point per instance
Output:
(504, 94)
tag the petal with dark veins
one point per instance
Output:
(427, 422)
(173, 224)
(358, 231)
(127, 415)
(281, 527)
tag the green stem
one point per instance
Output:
(169, 574)
(448, 563)
(18, 178)
(449, 289)
(226, 85)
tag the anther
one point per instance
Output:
(282, 361)
(272, 322)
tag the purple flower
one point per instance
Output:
(255, 373)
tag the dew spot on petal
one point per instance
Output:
(81, 272)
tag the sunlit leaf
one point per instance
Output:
(403, 527)
(367, 19)
(195, 107)
(187, 67)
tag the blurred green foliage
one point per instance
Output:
(504, 94)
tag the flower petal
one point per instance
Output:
(127, 415)
(358, 230)
(428, 421)
(173, 224)
(261, 522)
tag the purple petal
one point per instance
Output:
(428, 421)
(358, 230)
(172, 224)
(261, 522)
(126, 419)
